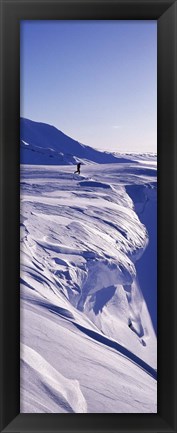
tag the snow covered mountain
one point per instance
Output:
(88, 341)
(45, 144)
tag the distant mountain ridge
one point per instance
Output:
(44, 144)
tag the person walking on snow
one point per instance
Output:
(78, 168)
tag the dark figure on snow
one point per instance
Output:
(78, 168)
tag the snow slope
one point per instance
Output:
(88, 340)
(45, 144)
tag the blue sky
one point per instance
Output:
(94, 80)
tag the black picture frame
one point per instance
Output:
(165, 12)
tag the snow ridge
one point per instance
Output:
(45, 144)
(65, 394)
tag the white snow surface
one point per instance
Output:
(80, 241)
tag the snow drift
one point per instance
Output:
(41, 381)
(84, 314)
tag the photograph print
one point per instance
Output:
(88, 216)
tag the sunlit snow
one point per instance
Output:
(87, 339)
